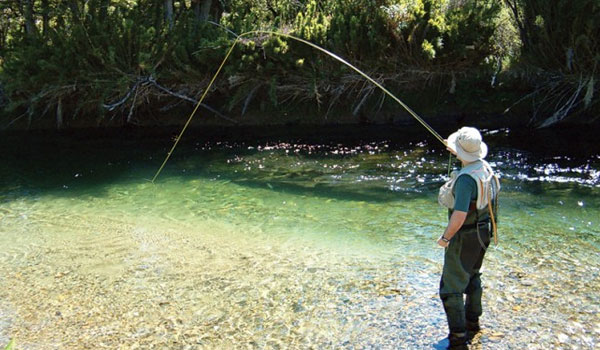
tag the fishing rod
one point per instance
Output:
(315, 46)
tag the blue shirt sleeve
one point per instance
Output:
(465, 190)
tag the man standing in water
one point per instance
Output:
(470, 197)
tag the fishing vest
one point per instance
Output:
(488, 187)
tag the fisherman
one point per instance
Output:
(471, 199)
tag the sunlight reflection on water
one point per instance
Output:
(286, 245)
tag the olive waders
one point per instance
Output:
(460, 275)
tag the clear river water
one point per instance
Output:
(260, 239)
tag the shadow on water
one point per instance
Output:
(65, 164)
(86, 162)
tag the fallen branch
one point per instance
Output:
(14, 120)
(189, 99)
(562, 112)
(112, 106)
(130, 115)
(249, 98)
(151, 81)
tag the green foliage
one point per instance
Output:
(507, 44)
(442, 33)
(560, 35)
(84, 54)
(312, 24)
(10, 345)
(91, 62)
(560, 44)
(428, 49)
(358, 29)
(243, 15)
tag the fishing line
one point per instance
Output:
(331, 54)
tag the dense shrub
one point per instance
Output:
(101, 59)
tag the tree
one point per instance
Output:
(169, 13)
(28, 13)
(205, 10)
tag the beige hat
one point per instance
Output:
(467, 144)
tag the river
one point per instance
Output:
(321, 239)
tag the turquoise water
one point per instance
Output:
(291, 242)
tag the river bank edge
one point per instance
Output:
(480, 106)
(566, 139)
(300, 117)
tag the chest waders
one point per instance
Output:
(464, 256)
(482, 220)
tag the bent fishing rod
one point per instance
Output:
(306, 42)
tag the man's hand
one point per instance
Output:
(442, 243)
(457, 219)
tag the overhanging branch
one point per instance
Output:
(149, 80)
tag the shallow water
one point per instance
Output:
(284, 243)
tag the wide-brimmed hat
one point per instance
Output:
(467, 144)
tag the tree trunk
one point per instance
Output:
(169, 13)
(218, 10)
(196, 9)
(157, 11)
(59, 114)
(104, 9)
(205, 10)
(513, 5)
(74, 10)
(180, 9)
(3, 37)
(182, 6)
(30, 27)
(45, 17)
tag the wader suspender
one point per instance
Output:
(491, 212)
(477, 228)
(494, 227)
